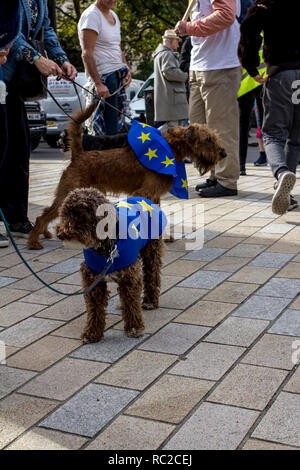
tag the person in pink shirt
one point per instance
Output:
(215, 76)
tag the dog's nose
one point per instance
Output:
(60, 235)
(223, 154)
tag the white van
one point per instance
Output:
(137, 106)
(64, 92)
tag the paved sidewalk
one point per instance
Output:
(214, 369)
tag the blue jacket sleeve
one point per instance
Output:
(52, 46)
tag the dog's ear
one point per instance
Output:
(189, 133)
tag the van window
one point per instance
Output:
(149, 82)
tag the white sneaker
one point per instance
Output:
(281, 199)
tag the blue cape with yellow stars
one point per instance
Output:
(154, 152)
(139, 221)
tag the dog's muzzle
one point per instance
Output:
(223, 154)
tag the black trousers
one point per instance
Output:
(246, 104)
(14, 159)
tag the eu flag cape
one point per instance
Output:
(139, 221)
(154, 152)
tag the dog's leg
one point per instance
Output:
(130, 286)
(41, 225)
(96, 302)
(50, 213)
(151, 255)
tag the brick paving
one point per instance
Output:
(214, 369)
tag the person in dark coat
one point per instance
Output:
(9, 28)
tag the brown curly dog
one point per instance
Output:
(118, 171)
(77, 227)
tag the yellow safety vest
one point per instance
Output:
(248, 83)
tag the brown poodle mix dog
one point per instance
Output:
(77, 228)
(118, 171)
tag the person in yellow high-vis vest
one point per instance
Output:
(249, 91)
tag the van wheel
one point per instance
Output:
(35, 142)
(52, 140)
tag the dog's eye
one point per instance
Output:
(208, 139)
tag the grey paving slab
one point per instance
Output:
(89, 410)
(272, 351)
(11, 378)
(281, 287)
(278, 228)
(205, 254)
(208, 361)
(174, 338)
(48, 245)
(213, 427)
(114, 305)
(287, 324)
(5, 281)
(69, 266)
(205, 279)
(64, 378)
(245, 250)
(271, 260)
(211, 234)
(113, 346)
(262, 308)
(27, 331)
(282, 421)
(248, 386)
(181, 297)
(237, 331)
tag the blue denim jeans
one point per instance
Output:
(111, 115)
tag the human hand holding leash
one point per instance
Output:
(69, 70)
(47, 67)
(102, 90)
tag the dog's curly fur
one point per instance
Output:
(119, 171)
(78, 222)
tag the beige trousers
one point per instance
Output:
(213, 101)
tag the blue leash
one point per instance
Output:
(109, 263)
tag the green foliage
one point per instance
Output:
(142, 22)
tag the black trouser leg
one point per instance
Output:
(15, 162)
(246, 103)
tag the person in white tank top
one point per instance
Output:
(215, 76)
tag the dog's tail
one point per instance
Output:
(75, 129)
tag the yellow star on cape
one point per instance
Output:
(144, 137)
(146, 207)
(124, 204)
(169, 161)
(184, 184)
(144, 125)
(151, 153)
(136, 230)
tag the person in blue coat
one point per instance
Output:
(14, 160)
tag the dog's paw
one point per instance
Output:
(134, 332)
(90, 338)
(34, 245)
(149, 306)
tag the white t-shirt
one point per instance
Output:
(107, 52)
(218, 51)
